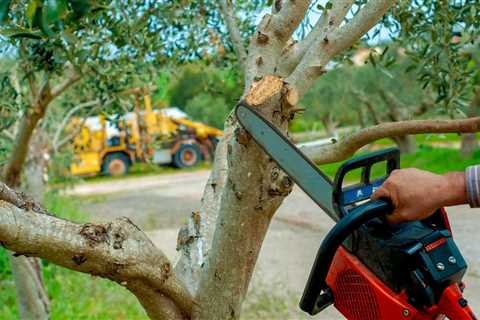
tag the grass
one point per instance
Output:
(73, 295)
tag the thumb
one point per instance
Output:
(380, 193)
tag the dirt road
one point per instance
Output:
(162, 203)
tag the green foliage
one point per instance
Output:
(206, 93)
(441, 38)
(208, 109)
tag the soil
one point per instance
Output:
(162, 203)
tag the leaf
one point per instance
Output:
(20, 33)
(30, 11)
(55, 10)
(4, 8)
(80, 7)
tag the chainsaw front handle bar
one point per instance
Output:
(317, 294)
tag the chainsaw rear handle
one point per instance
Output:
(317, 295)
(344, 197)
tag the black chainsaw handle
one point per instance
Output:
(312, 300)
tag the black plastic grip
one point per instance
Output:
(316, 283)
(340, 194)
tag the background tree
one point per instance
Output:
(442, 40)
(56, 44)
(220, 244)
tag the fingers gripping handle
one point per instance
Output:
(317, 294)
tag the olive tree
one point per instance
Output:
(220, 244)
(50, 47)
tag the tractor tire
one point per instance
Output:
(187, 156)
(115, 164)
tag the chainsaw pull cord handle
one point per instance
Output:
(317, 294)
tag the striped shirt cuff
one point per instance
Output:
(472, 177)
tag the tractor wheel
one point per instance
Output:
(115, 164)
(187, 156)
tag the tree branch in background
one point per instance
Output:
(348, 145)
(226, 9)
(326, 46)
(64, 85)
(118, 251)
(56, 142)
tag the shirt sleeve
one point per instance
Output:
(472, 179)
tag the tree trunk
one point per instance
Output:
(329, 124)
(407, 144)
(32, 299)
(469, 144)
(469, 141)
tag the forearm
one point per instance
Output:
(455, 191)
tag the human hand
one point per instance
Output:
(417, 194)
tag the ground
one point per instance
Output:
(160, 204)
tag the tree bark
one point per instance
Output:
(118, 251)
(329, 124)
(468, 144)
(32, 298)
(469, 141)
(406, 143)
(255, 188)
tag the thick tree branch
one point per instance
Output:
(330, 19)
(20, 200)
(325, 47)
(348, 145)
(118, 251)
(226, 8)
(271, 36)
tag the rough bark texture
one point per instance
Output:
(254, 189)
(254, 186)
(32, 298)
(468, 144)
(118, 251)
(406, 143)
(346, 146)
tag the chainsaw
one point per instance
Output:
(367, 268)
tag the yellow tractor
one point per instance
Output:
(151, 135)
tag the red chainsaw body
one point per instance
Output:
(360, 295)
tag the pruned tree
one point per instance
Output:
(220, 244)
